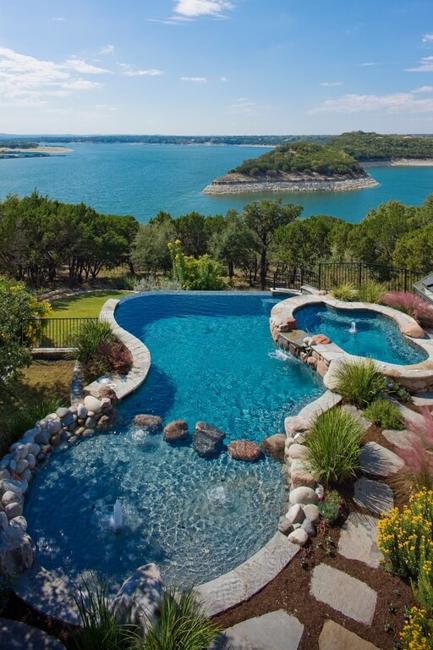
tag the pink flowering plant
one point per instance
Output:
(411, 304)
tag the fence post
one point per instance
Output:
(405, 280)
(320, 275)
(359, 275)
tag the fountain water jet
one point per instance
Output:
(116, 519)
(352, 329)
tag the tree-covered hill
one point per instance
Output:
(302, 158)
(374, 146)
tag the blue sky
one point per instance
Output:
(216, 66)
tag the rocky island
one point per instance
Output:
(300, 166)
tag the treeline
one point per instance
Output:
(42, 240)
(40, 237)
(374, 146)
(302, 158)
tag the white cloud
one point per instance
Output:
(224, 80)
(26, 80)
(331, 84)
(427, 38)
(58, 19)
(129, 71)
(242, 106)
(197, 80)
(367, 64)
(196, 8)
(79, 65)
(392, 103)
(423, 89)
(425, 65)
(107, 49)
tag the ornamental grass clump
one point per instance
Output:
(418, 456)
(345, 291)
(406, 536)
(371, 291)
(333, 445)
(359, 382)
(385, 414)
(412, 304)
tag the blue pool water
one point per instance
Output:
(376, 335)
(212, 358)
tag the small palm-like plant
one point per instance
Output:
(360, 383)
(91, 336)
(333, 444)
(181, 625)
(385, 414)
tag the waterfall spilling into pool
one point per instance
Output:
(213, 359)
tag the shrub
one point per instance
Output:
(411, 304)
(406, 537)
(423, 589)
(99, 628)
(333, 445)
(331, 507)
(393, 389)
(92, 335)
(418, 457)
(359, 382)
(181, 625)
(345, 291)
(25, 418)
(385, 414)
(203, 273)
(417, 633)
(118, 356)
(371, 291)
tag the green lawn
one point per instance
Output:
(84, 306)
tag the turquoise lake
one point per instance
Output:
(141, 180)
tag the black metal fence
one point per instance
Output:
(59, 332)
(326, 275)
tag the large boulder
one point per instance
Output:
(138, 599)
(413, 330)
(208, 440)
(244, 450)
(274, 446)
(150, 423)
(176, 430)
(16, 552)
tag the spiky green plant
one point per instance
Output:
(89, 339)
(345, 291)
(359, 382)
(371, 291)
(181, 625)
(385, 414)
(99, 628)
(333, 445)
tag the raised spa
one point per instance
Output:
(361, 332)
(213, 359)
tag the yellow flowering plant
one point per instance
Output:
(406, 537)
(417, 633)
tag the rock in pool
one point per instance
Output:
(274, 445)
(150, 423)
(208, 440)
(244, 450)
(175, 431)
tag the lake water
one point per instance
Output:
(141, 180)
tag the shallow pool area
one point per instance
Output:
(213, 359)
(361, 332)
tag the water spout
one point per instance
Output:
(116, 519)
(352, 329)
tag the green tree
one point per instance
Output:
(150, 251)
(263, 218)
(193, 232)
(414, 250)
(235, 245)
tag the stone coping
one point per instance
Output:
(417, 372)
(240, 584)
(141, 360)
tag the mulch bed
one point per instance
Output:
(291, 591)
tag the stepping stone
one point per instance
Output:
(274, 631)
(402, 439)
(379, 461)
(373, 495)
(358, 415)
(17, 636)
(410, 416)
(358, 539)
(347, 595)
(336, 637)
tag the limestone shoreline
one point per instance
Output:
(346, 185)
(400, 162)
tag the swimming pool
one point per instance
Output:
(361, 332)
(212, 359)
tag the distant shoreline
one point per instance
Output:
(345, 185)
(399, 162)
(30, 152)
